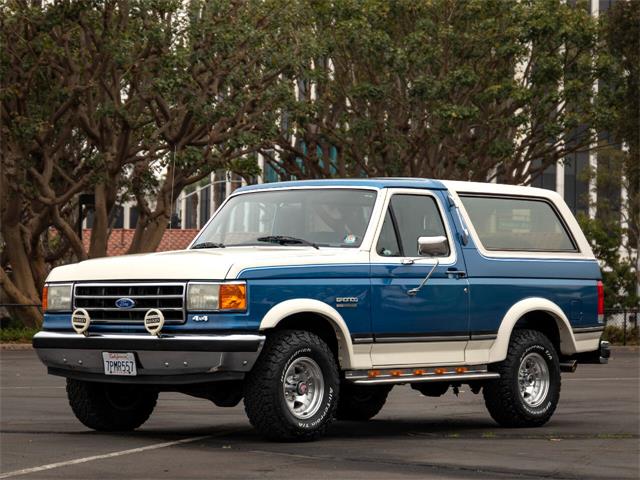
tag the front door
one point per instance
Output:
(432, 326)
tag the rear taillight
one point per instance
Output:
(600, 302)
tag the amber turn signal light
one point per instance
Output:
(45, 295)
(233, 296)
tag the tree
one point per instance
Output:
(612, 231)
(621, 40)
(126, 98)
(469, 89)
(214, 97)
(615, 232)
(44, 160)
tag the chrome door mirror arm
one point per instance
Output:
(413, 292)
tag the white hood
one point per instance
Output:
(205, 264)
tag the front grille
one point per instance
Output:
(99, 299)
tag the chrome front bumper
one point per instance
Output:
(167, 359)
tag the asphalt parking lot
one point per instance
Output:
(594, 434)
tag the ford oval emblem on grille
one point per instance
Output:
(125, 303)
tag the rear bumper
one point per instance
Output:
(599, 356)
(166, 360)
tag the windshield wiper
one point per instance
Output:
(286, 240)
(208, 245)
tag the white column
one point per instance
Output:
(198, 195)
(593, 156)
(183, 211)
(126, 215)
(493, 174)
(228, 184)
(212, 197)
(624, 212)
(261, 164)
(560, 178)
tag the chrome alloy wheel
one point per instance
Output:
(303, 387)
(533, 379)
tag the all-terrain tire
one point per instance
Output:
(264, 398)
(504, 398)
(361, 403)
(110, 407)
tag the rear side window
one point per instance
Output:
(520, 224)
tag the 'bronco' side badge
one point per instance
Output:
(346, 302)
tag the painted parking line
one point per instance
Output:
(604, 379)
(50, 466)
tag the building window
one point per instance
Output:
(604, 5)
(220, 188)
(205, 205)
(191, 214)
(546, 179)
(117, 217)
(133, 217)
(576, 182)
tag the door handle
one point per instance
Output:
(458, 273)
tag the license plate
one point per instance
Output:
(119, 364)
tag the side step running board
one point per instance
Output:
(420, 374)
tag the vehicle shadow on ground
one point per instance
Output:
(463, 428)
(339, 430)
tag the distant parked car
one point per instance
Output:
(312, 299)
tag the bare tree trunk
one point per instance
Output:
(21, 287)
(151, 226)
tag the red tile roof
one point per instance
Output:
(120, 239)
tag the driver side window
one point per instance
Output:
(408, 217)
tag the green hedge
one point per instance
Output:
(616, 335)
(17, 334)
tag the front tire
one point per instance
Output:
(361, 403)
(292, 391)
(110, 407)
(528, 390)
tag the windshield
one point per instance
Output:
(325, 217)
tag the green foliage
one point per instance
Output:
(618, 271)
(610, 238)
(617, 336)
(621, 92)
(445, 88)
(140, 99)
(17, 335)
(12, 331)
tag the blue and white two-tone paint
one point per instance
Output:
(403, 280)
(460, 318)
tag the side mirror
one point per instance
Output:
(437, 246)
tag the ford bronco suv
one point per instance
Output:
(310, 300)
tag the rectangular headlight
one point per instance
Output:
(57, 297)
(216, 296)
(203, 296)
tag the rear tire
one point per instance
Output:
(292, 391)
(110, 407)
(361, 403)
(528, 390)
